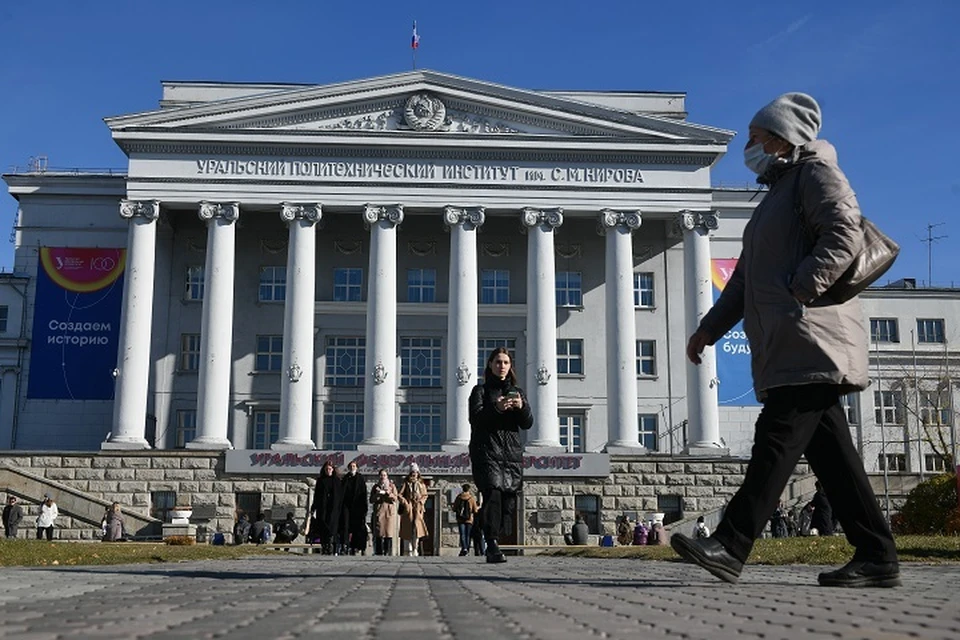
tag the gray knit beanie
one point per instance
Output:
(795, 117)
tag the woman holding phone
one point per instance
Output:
(498, 411)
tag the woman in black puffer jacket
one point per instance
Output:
(498, 411)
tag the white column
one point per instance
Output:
(133, 350)
(703, 428)
(541, 365)
(462, 324)
(216, 328)
(380, 388)
(296, 382)
(622, 428)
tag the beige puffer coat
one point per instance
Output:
(793, 343)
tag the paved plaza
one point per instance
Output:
(535, 597)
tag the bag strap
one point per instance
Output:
(798, 207)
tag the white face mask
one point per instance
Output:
(758, 160)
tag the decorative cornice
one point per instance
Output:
(227, 211)
(628, 220)
(289, 212)
(149, 210)
(390, 213)
(545, 219)
(689, 220)
(470, 217)
(325, 151)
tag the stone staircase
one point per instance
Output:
(72, 502)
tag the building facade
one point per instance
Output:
(298, 268)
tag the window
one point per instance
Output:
(892, 462)
(888, 407)
(273, 284)
(420, 362)
(189, 352)
(936, 462)
(194, 283)
(571, 432)
(588, 508)
(850, 404)
(569, 291)
(643, 290)
(884, 330)
(420, 427)
(570, 357)
(934, 409)
(421, 285)
(269, 353)
(485, 347)
(494, 286)
(347, 285)
(342, 424)
(266, 428)
(186, 427)
(161, 503)
(646, 357)
(4, 314)
(345, 361)
(248, 503)
(930, 330)
(671, 507)
(649, 435)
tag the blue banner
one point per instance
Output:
(76, 323)
(733, 349)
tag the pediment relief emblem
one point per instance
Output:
(421, 112)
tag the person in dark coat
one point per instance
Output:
(12, 515)
(498, 411)
(822, 519)
(327, 504)
(354, 514)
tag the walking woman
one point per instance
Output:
(327, 503)
(413, 499)
(383, 497)
(498, 411)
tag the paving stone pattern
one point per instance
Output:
(421, 598)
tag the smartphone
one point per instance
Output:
(513, 393)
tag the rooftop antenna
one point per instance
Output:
(929, 240)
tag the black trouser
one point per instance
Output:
(48, 530)
(806, 420)
(498, 507)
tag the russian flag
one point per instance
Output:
(415, 41)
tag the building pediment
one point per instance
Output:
(419, 102)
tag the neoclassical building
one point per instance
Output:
(304, 267)
(326, 266)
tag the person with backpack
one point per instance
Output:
(261, 531)
(241, 530)
(288, 530)
(465, 507)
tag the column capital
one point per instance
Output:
(629, 220)
(469, 217)
(228, 211)
(689, 220)
(546, 219)
(391, 213)
(289, 212)
(147, 209)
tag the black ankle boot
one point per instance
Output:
(494, 555)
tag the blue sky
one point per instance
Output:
(884, 72)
